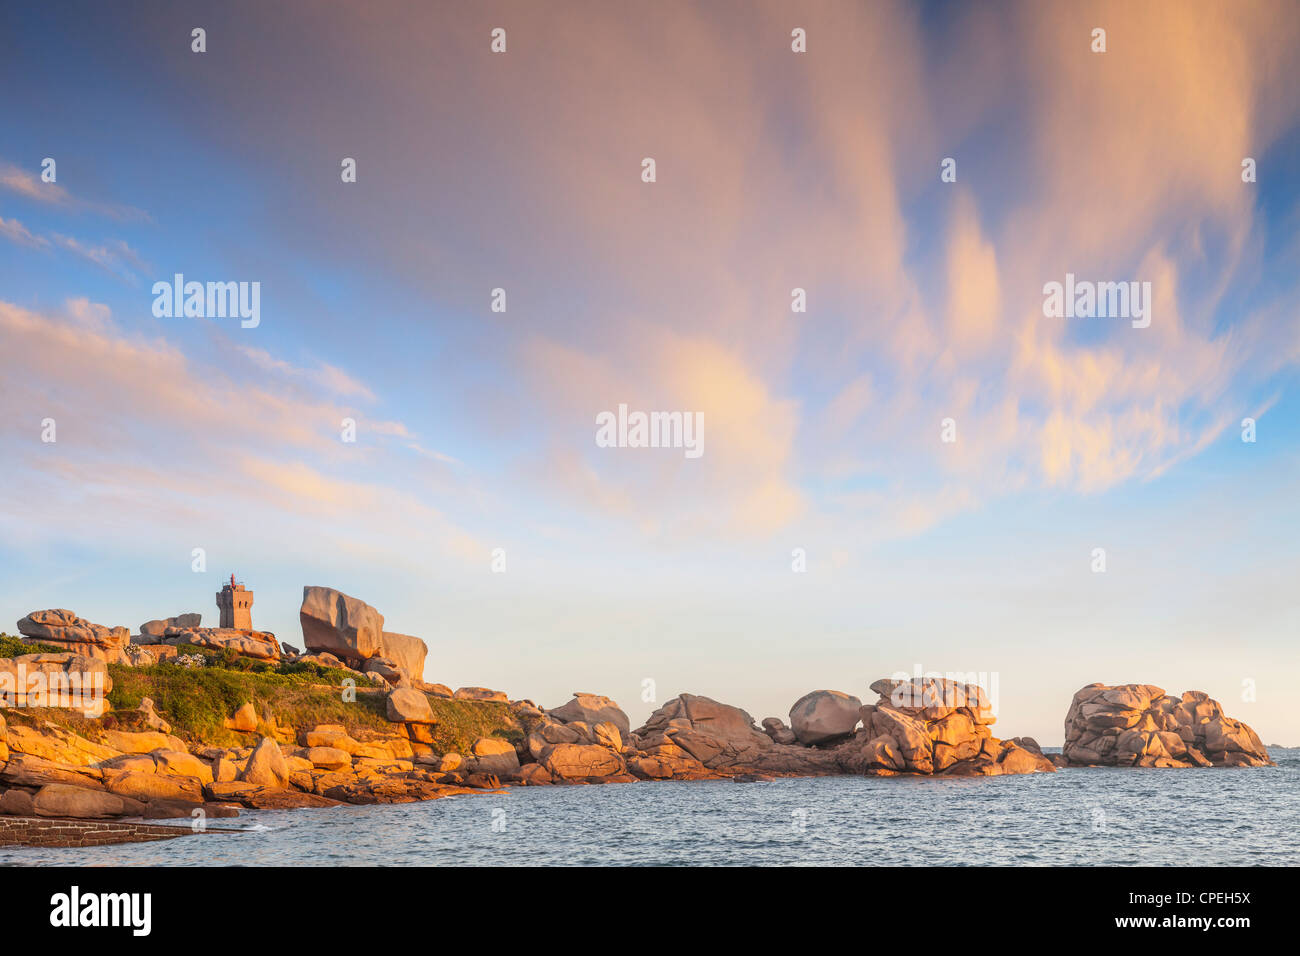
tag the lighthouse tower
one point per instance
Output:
(235, 603)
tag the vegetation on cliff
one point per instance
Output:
(197, 701)
(11, 646)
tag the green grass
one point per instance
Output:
(197, 700)
(461, 722)
(16, 647)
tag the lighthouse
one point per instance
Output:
(235, 602)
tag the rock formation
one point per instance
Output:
(934, 726)
(133, 765)
(715, 735)
(258, 644)
(581, 741)
(775, 728)
(922, 727)
(335, 623)
(387, 670)
(1139, 725)
(823, 716)
(353, 631)
(151, 632)
(63, 628)
(406, 653)
(592, 709)
(481, 693)
(51, 680)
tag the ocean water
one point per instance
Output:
(1101, 816)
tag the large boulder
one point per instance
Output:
(406, 705)
(1139, 725)
(495, 756)
(266, 766)
(580, 761)
(824, 716)
(148, 787)
(592, 709)
(407, 653)
(335, 623)
(151, 632)
(328, 758)
(179, 763)
(63, 800)
(17, 803)
(63, 628)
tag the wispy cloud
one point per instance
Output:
(29, 185)
(114, 256)
(157, 435)
(15, 231)
(329, 377)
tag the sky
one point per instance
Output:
(642, 573)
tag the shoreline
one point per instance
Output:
(189, 722)
(138, 776)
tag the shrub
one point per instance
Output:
(17, 646)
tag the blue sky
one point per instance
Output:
(776, 170)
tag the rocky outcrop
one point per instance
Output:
(56, 772)
(933, 726)
(261, 645)
(151, 632)
(73, 681)
(824, 716)
(335, 623)
(581, 742)
(716, 735)
(133, 764)
(592, 709)
(63, 628)
(1139, 725)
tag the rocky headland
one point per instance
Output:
(1139, 725)
(221, 719)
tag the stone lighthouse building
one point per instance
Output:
(235, 603)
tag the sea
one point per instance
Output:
(1083, 817)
